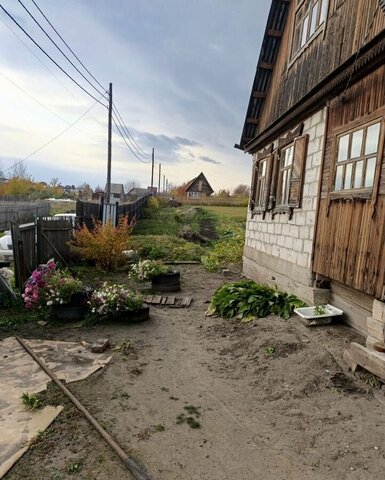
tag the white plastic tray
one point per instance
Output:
(308, 312)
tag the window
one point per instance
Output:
(261, 183)
(278, 175)
(356, 160)
(309, 17)
(284, 177)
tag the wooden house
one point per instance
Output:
(315, 127)
(199, 187)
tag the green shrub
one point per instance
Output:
(224, 253)
(246, 300)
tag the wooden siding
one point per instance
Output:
(350, 25)
(350, 237)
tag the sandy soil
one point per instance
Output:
(272, 398)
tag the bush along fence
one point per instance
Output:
(16, 211)
(35, 243)
(87, 212)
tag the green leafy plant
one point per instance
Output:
(224, 253)
(270, 351)
(32, 401)
(104, 244)
(319, 310)
(246, 300)
(74, 466)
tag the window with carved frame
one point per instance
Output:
(356, 158)
(284, 176)
(310, 16)
(260, 183)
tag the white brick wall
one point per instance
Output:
(292, 240)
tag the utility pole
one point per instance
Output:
(108, 186)
(166, 185)
(164, 182)
(160, 171)
(152, 170)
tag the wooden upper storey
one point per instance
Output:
(296, 73)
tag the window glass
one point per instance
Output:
(263, 168)
(370, 169)
(372, 135)
(348, 176)
(304, 30)
(358, 174)
(338, 182)
(356, 143)
(288, 156)
(314, 16)
(343, 146)
(324, 11)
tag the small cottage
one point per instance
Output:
(199, 187)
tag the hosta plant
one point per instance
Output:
(246, 300)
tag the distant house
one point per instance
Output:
(117, 191)
(138, 192)
(199, 187)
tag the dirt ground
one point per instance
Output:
(269, 400)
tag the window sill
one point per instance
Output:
(351, 195)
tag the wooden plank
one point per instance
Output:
(376, 329)
(156, 299)
(354, 315)
(170, 300)
(163, 301)
(371, 360)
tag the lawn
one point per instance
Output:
(230, 212)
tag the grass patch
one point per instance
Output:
(237, 213)
(32, 401)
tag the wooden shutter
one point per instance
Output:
(267, 187)
(298, 171)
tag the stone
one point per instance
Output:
(100, 345)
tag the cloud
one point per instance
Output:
(209, 160)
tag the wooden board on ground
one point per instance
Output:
(358, 355)
(171, 301)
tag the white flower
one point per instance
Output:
(50, 302)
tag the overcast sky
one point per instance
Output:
(181, 72)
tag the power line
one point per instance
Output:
(54, 138)
(60, 50)
(125, 141)
(141, 151)
(66, 44)
(39, 60)
(38, 102)
(52, 60)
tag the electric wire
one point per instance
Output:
(60, 50)
(39, 103)
(54, 138)
(52, 60)
(66, 44)
(141, 152)
(125, 141)
(40, 61)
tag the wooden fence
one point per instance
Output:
(87, 212)
(16, 211)
(35, 243)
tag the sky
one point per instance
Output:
(181, 72)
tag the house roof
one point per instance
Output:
(137, 191)
(202, 177)
(116, 189)
(269, 52)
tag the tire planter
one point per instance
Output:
(140, 315)
(166, 282)
(68, 311)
